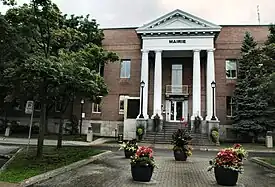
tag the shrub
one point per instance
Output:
(180, 140)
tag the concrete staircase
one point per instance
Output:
(165, 135)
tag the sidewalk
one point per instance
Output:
(24, 141)
(255, 149)
(103, 142)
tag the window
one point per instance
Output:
(229, 106)
(101, 69)
(125, 69)
(16, 104)
(96, 108)
(58, 107)
(121, 103)
(37, 106)
(231, 69)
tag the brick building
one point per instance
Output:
(177, 56)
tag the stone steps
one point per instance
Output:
(165, 135)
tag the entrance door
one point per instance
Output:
(176, 110)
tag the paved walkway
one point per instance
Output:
(115, 171)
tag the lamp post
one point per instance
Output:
(81, 116)
(142, 84)
(213, 85)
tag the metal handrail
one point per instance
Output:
(177, 89)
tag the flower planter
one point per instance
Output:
(128, 153)
(180, 156)
(226, 177)
(142, 173)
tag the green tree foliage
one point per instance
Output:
(62, 60)
(249, 114)
(271, 36)
(255, 106)
(248, 43)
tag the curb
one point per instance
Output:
(9, 161)
(262, 163)
(50, 174)
(5, 156)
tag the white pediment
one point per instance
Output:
(178, 21)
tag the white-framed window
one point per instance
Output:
(96, 108)
(58, 107)
(231, 69)
(121, 103)
(229, 106)
(125, 69)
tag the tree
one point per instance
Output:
(55, 51)
(271, 36)
(248, 43)
(248, 116)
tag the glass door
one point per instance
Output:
(176, 111)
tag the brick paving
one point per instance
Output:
(115, 171)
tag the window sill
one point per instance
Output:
(124, 80)
(231, 81)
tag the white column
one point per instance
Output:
(158, 84)
(196, 85)
(210, 76)
(145, 79)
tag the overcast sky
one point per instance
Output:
(125, 13)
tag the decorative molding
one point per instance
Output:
(179, 21)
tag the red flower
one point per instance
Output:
(144, 152)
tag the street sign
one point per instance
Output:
(29, 107)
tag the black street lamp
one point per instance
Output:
(81, 117)
(213, 85)
(142, 84)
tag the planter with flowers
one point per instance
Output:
(142, 164)
(180, 140)
(129, 148)
(227, 165)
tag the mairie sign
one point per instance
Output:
(177, 41)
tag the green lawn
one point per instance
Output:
(269, 160)
(25, 166)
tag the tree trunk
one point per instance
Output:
(46, 121)
(42, 121)
(41, 130)
(60, 132)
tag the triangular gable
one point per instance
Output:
(180, 21)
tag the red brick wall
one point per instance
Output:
(228, 45)
(127, 44)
